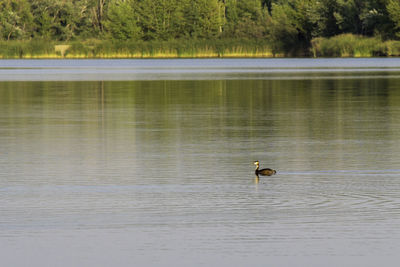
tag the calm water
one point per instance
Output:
(157, 169)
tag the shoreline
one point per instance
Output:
(166, 56)
(244, 56)
(169, 56)
(340, 46)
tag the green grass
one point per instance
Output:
(27, 49)
(346, 45)
(392, 48)
(94, 48)
(350, 45)
(169, 49)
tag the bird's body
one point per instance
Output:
(266, 171)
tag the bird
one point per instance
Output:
(267, 171)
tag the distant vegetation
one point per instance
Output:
(198, 28)
(349, 45)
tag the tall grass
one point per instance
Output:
(94, 48)
(392, 48)
(350, 45)
(346, 45)
(27, 49)
(170, 49)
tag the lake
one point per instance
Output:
(150, 162)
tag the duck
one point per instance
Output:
(266, 171)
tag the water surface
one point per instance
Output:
(159, 171)
(201, 69)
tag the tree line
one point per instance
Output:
(286, 24)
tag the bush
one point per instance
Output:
(348, 45)
(392, 48)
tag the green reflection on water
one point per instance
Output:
(293, 122)
(310, 103)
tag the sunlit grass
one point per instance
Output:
(135, 49)
(392, 48)
(350, 45)
(346, 45)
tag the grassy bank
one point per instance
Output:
(346, 45)
(27, 49)
(139, 49)
(349, 45)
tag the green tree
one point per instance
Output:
(323, 16)
(393, 8)
(347, 16)
(291, 25)
(203, 18)
(55, 19)
(162, 19)
(15, 19)
(281, 31)
(366, 17)
(89, 20)
(121, 20)
(245, 19)
(97, 14)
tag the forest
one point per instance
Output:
(98, 28)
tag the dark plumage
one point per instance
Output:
(267, 171)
